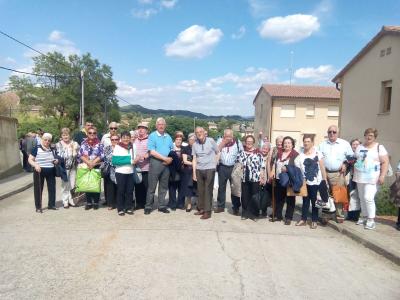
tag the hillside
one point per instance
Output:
(183, 113)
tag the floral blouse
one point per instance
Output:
(253, 165)
(91, 151)
(69, 153)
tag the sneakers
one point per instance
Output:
(320, 204)
(370, 225)
(361, 221)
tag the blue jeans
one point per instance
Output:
(312, 191)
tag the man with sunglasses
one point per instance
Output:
(335, 152)
(113, 129)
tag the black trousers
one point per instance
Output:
(125, 186)
(265, 196)
(141, 190)
(38, 182)
(110, 192)
(224, 174)
(281, 198)
(173, 188)
(250, 198)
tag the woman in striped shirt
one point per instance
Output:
(42, 159)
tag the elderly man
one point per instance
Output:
(81, 135)
(159, 145)
(142, 161)
(105, 140)
(335, 152)
(228, 149)
(204, 151)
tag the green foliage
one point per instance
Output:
(384, 207)
(59, 95)
(32, 124)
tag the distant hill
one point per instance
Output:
(183, 113)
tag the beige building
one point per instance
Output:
(370, 91)
(295, 110)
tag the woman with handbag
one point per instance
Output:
(91, 153)
(188, 185)
(312, 166)
(68, 149)
(254, 175)
(370, 170)
(285, 156)
(108, 173)
(42, 160)
(124, 159)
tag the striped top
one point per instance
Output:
(44, 158)
(229, 154)
(141, 149)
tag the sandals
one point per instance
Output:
(301, 223)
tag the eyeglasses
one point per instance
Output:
(333, 132)
(114, 140)
(47, 140)
(113, 128)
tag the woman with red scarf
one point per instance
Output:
(253, 177)
(286, 156)
(91, 153)
(123, 159)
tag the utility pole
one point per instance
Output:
(105, 111)
(82, 102)
(194, 124)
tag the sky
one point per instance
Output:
(207, 56)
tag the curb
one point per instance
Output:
(374, 246)
(19, 190)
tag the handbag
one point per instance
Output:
(88, 180)
(303, 190)
(137, 175)
(339, 193)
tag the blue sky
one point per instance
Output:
(208, 56)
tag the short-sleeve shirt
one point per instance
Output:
(335, 153)
(368, 166)
(205, 154)
(161, 143)
(44, 158)
(309, 165)
(229, 154)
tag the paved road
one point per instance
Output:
(74, 254)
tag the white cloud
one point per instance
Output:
(259, 8)
(323, 8)
(58, 42)
(8, 60)
(168, 3)
(239, 34)
(194, 42)
(321, 73)
(142, 71)
(145, 1)
(144, 13)
(289, 29)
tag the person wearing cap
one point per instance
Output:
(106, 139)
(159, 145)
(143, 162)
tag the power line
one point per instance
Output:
(33, 49)
(35, 74)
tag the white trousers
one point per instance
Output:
(366, 193)
(67, 186)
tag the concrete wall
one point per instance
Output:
(262, 114)
(10, 162)
(361, 96)
(302, 124)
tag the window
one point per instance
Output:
(388, 50)
(383, 51)
(288, 111)
(310, 111)
(386, 96)
(333, 111)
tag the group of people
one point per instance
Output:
(134, 163)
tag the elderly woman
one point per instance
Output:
(123, 159)
(108, 170)
(188, 185)
(266, 189)
(253, 176)
(285, 156)
(91, 153)
(42, 159)
(174, 186)
(370, 170)
(354, 203)
(68, 151)
(312, 166)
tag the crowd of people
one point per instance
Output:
(134, 163)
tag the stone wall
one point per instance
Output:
(10, 161)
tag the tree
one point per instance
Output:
(59, 92)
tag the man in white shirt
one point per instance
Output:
(335, 152)
(105, 140)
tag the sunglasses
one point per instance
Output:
(113, 128)
(114, 140)
(334, 132)
(92, 132)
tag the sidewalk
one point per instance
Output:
(15, 184)
(384, 240)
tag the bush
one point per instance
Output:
(384, 207)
